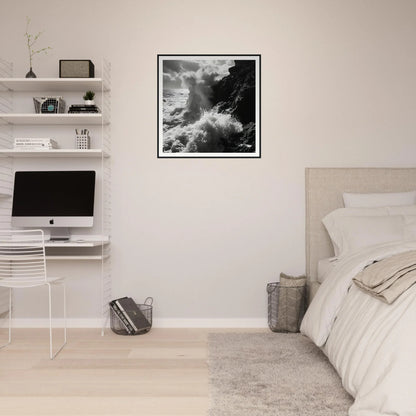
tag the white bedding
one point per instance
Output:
(324, 267)
(371, 344)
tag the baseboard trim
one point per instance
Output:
(157, 323)
(210, 323)
(58, 323)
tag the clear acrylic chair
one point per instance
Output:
(23, 265)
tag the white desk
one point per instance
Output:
(77, 248)
(74, 249)
(74, 243)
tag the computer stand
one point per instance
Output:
(60, 234)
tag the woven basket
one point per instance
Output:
(286, 303)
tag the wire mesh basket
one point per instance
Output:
(286, 303)
(49, 105)
(119, 328)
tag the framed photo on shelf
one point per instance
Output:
(209, 106)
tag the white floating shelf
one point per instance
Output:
(92, 153)
(52, 119)
(51, 84)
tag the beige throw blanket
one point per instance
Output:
(389, 278)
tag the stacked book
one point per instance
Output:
(82, 108)
(34, 144)
(130, 315)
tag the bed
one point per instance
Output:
(371, 344)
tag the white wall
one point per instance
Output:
(204, 236)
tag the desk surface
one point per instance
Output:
(74, 243)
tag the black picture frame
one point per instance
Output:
(209, 106)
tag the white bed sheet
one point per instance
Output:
(325, 266)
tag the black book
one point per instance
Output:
(121, 317)
(133, 314)
(83, 110)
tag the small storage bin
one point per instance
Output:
(286, 303)
(117, 326)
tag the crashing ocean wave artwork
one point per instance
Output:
(208, 107)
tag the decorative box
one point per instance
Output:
(76, 68)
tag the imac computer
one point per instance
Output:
(54, 199)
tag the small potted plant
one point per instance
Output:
(89, 98)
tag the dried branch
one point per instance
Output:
(31, 40)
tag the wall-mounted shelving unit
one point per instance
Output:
(92, 248)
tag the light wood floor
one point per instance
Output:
(161, 373)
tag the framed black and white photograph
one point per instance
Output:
(209, 106)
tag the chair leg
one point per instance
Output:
(10, 319)
(64, 289)
(10, 314)
(52, 355)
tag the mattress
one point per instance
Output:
(325, 266)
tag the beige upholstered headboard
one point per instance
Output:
(324, 188)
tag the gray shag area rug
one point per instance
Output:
(274, 374)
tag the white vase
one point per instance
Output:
(89, 102)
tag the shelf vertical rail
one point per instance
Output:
(106, 191)
(6, 167)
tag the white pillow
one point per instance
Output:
(330, 218)
(353, 233)
(348, 234)
(409, 227)
(405, 210)
(392, 199)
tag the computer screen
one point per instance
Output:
(53, 198)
